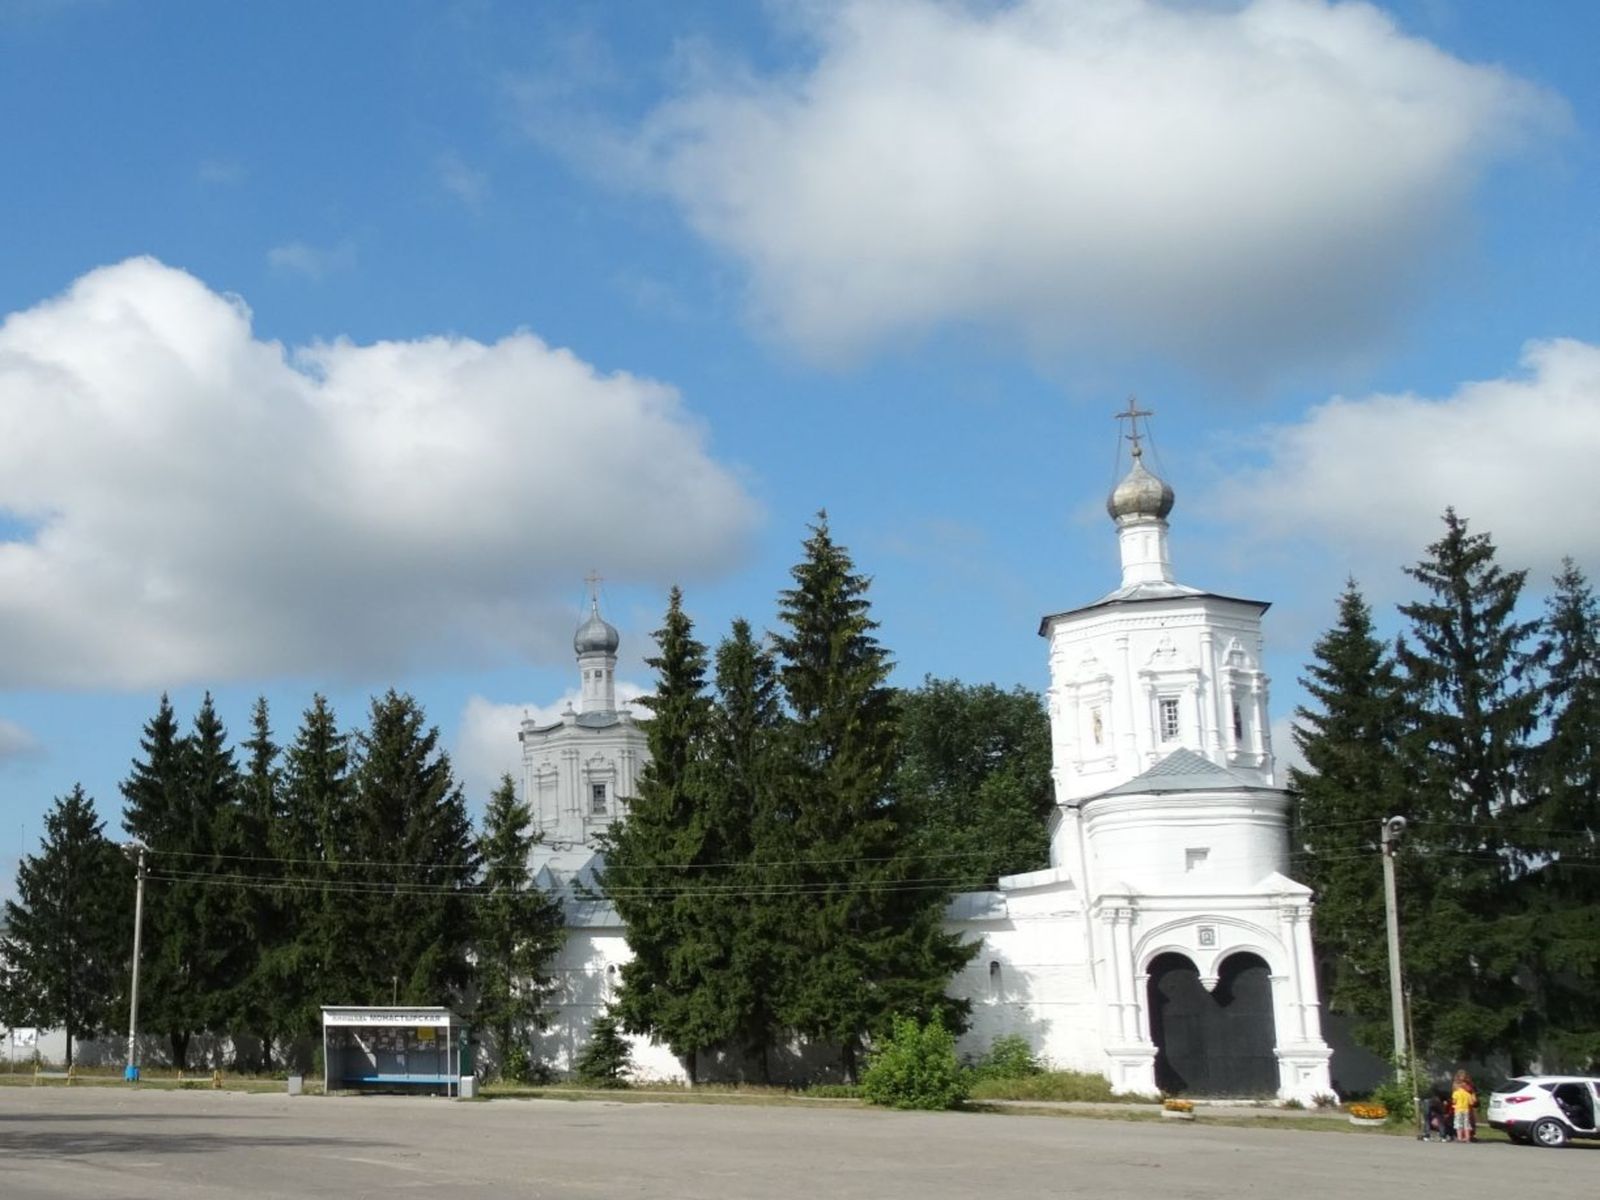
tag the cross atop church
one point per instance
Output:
(1131, 415)
(594, 581)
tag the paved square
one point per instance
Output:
(94, 1143)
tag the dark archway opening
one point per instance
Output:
(1217, 1043)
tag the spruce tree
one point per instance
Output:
(1470, 708)
(224, 949)
(64, 955)
(1350, 739)
(519, 929)
(313, 963)
(264, 905)
(405, 919)
(868, 940)
(605, 1060)
(746, 724)
(159, 812)
(662, 862)
(1562, 826)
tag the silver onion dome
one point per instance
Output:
(596, 636)
(1140, 494)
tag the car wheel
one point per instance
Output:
(1549, 1132)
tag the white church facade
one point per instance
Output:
(1165, 946)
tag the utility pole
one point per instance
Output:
(1392, 831)
(131, 1073)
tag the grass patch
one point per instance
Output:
(1079, 1086)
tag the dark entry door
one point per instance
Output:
(1217, 1043)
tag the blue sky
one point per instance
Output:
(341, 341)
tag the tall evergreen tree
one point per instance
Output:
(1470, 709)
(868, 937)
(662, 861)
(1562, 829)
(224, 946)
(64, 954)
(412, 860)
(974, 779)
(753, 922)
(519, 929)
(1350, 739)
(262, 903)
(311, 964)
(159, 812)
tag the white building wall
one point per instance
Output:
(1112, 665)
(587, 970)
(563, 765)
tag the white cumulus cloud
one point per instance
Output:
(1239, 187)
(197, 504)
(486, 745)
(1367, 478)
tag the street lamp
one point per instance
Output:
(131, 1072)
(1393, 829)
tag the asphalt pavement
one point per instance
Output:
(103, 1142)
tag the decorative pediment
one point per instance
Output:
(1237, 657)
(1167, 657)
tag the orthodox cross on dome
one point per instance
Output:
(1131, 415)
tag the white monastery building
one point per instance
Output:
(1165, 946)
(578, 773)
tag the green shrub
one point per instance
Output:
(1009, 1057)
(916, 1067)
(605, 1061)
(1397, 1098)
(515, 1066)
(1050, 1085)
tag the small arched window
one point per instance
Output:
(994, 979)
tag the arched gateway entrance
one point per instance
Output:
(1216, 1043)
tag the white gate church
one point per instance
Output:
(1165, 946)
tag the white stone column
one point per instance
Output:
(1124, 691)
(1213, 695)
(572, 814)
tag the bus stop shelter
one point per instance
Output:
(394, 1049)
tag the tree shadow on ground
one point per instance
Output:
(95, 1141)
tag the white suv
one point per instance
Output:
(1547, 1110)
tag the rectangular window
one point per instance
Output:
(1098, 724)
(1238, 722)
(597, 799)
(1195, 857)
(1169, 718)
